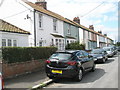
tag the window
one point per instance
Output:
(14, 43)
(9, 42)
(68, 29)
(3, 42)
(56, 42)
(85, 54)
(40, 43)
(40, 20)
(55, 25)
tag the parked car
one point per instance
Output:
(69, 64)
(118, 48)
(99, 54)
(1, 82)
(110, 51)
(114, 49)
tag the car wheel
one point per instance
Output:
(50, 77)
(79, 75)
(103, 60)
(93, 68)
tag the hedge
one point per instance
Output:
(22, 54)
(75, 46)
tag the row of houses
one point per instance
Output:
(50, 29)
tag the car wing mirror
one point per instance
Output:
(90, 56)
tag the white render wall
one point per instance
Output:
(45, 32)
(22, 39)
(81, 36)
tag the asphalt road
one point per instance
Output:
(105, 76)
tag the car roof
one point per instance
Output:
(69, 51)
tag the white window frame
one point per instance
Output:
(40, 20)
(14, 43)
(55, 25)
(9, 42)
(5, 42)
(69, 28)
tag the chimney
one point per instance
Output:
(105, 34)
(91, 27)
(100, 32)
(41, 3)
(77, 20)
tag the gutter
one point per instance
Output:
(34, 29)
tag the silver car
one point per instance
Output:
(109, 50)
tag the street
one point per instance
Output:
(105, 76)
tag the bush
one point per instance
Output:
(22, 54)
(75, 46)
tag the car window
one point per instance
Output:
(85, 53)
(80, 54)
(61, 56)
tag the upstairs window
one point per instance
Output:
(40, 20)
(68, 31)
(55, 25)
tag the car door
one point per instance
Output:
(81, 59)
(89, 61)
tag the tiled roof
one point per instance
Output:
(7, 27)
(48, 12)
(55, 15)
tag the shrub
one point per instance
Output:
(75, 46)
(22, 54)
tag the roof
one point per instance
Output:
(55, 15)
(48, 12)
(7, 27)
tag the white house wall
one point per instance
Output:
(22, 39)
(45, 32)
(81, 35)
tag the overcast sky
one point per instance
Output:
(103, 14)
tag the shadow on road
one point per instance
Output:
(87, 77)
(26, 80)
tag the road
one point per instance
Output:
(105, 76)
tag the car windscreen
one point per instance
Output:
(107, 49)
(61, 56)
(96, 52)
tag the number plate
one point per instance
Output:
(57, 71)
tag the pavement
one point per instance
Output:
(27, 81)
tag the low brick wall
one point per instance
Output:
(15, 69)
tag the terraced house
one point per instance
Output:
(51, 29)
(11, 35)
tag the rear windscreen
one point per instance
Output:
(61, 56)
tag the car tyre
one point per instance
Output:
(103, 60)
(79, 75)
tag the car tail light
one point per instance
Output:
(71, 63)
(47, 61)
(2, 84)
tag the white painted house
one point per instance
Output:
(11, 35)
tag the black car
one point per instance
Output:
(69, 64)
(99, 54)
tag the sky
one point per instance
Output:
(102, 14)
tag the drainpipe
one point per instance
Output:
(34, 29)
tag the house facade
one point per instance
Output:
(12, 36)
(51, 29)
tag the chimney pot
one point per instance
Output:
(77, 20)
(41, 3)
